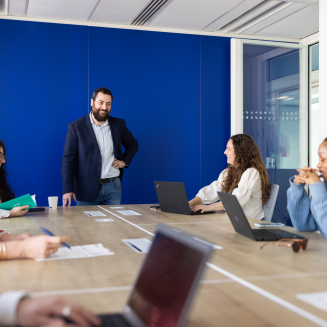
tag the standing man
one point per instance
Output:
(93, 162)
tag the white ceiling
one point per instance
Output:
(271, 18)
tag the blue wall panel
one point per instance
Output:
(215, 106)
(155, 80)
(172, 90)
(43, 86)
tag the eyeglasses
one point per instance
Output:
(295, 244)
(2, 156)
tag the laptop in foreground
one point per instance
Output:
(242, 226)
(166, 284)
(172, 198)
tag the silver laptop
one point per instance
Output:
(242, 226)
(166, 284)
(172, 198)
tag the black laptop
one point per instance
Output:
(242, 226)
(172, 198)
(166, 284)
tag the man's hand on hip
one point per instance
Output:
(67, 199)
(118, 164)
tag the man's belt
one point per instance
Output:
(107, 180)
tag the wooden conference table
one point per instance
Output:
(242, 285)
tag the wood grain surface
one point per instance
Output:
(245, 286)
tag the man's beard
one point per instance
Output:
(97, 116)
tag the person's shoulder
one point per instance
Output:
(116, 120)
(79, 120)
(223, 174)
(253, 172)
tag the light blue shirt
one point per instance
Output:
(308, 214)
(106, 146)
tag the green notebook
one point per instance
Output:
(21, 201)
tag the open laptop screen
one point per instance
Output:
(165, 282)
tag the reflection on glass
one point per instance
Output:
(271, 91)
(314, 140)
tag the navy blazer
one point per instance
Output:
(81, 161)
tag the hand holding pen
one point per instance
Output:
(45, 231)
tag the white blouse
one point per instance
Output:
(4, 213)
(248, 192)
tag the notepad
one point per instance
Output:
(94, 213)
(18, 202)
(129, 213)
(139, 245)
(78, 252)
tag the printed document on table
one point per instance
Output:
(77, 252)
(318, 299)
(95, 213)
(129, 213)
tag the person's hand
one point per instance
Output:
(67, 197)
(118, 164)
(298, 180)
(41, 246)
(308, 175)
(18, 211)
(49, 312)
(18, 237)
(201, 207)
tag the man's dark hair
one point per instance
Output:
(103, 90)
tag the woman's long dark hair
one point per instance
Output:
(6, 192)
(247, 155)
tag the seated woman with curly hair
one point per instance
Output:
(246, 177)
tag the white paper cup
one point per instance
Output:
(53, 202)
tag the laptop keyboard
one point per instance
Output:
(114, 320)
(203, 213)
(273, 234)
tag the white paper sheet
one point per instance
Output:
(33, 198)
(117, 207)
(103, 220)
(77, 252)
(318, 300)
(95, 214)
(129, 213)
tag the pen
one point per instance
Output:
(49, 233)
(135, 247)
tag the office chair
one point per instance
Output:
(268, 208)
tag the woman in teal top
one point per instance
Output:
(310, 214)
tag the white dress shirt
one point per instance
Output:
(248, 192)
(4, 213)
(106, 146)
(8, 307)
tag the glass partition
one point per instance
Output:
(314, 140)
(274, 106)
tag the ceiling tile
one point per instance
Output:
(274, 18)
(298, 25)
(61, 9)
(117, 11)
(17, 7)
(232, 14)
(192, 14)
